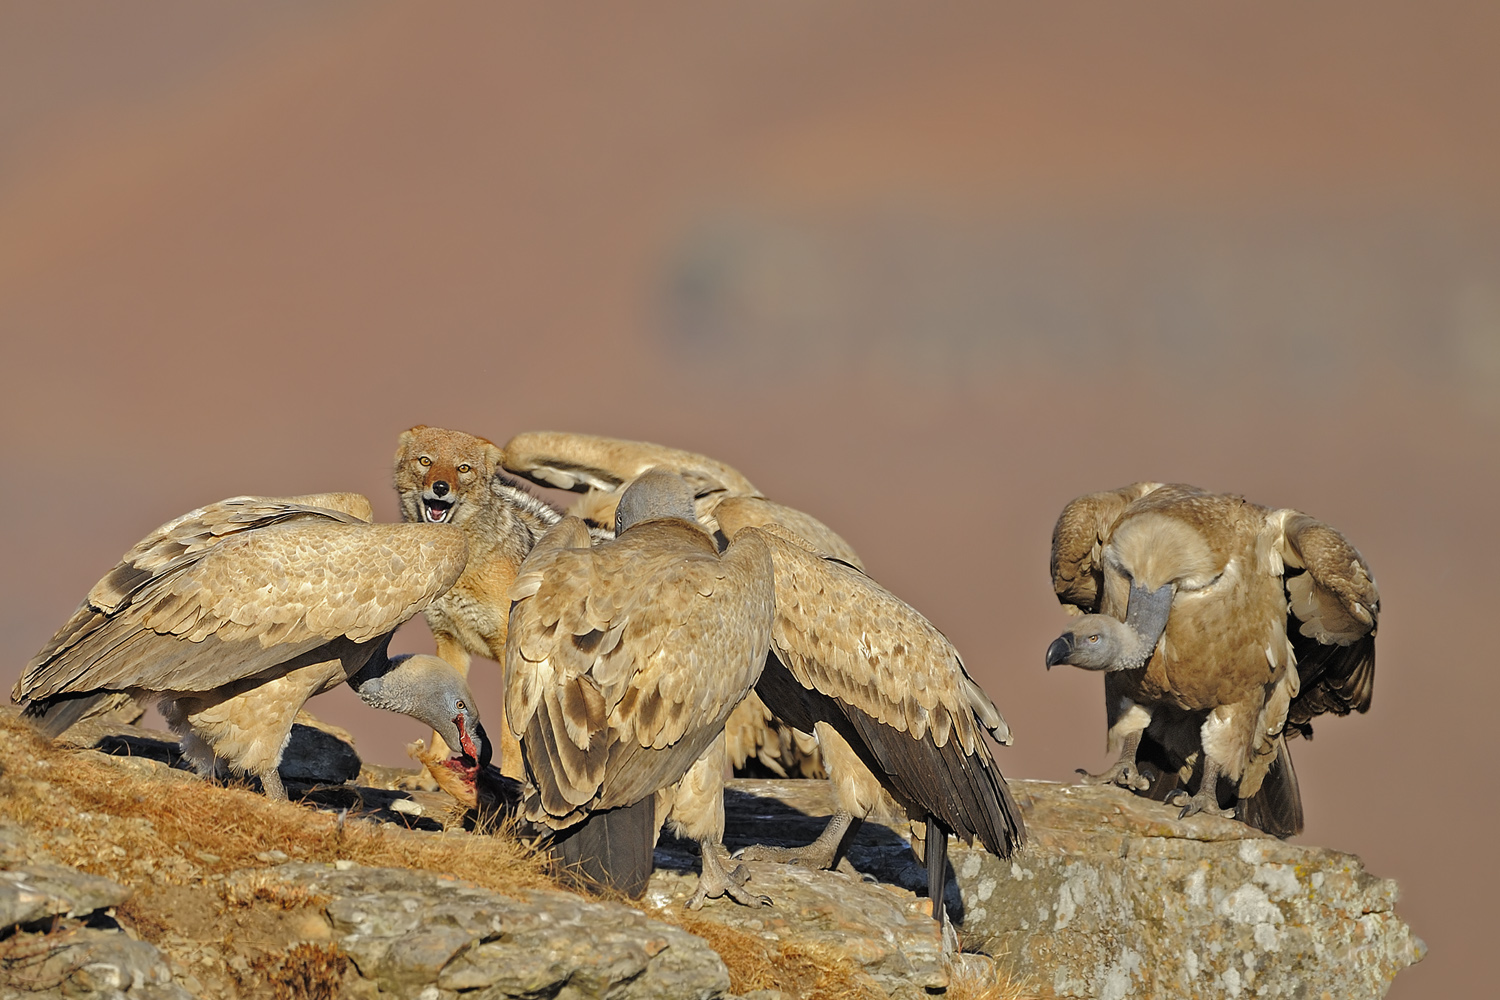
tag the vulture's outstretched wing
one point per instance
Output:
(623, 661)
(1078, 541)
(239, 587)
(736, 512)
(855, 655)
(582, 462)
(1334, 611)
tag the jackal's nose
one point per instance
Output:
(440, 488)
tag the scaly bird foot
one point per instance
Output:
(808, 856)
(820, 854)
(1206, 802)
(715, 881)
(1125, 773)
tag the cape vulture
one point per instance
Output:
(894, 711)
(622, 662)
(235, 614)
(1224, 628)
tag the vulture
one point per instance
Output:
(622, 662)
(893, 709)
(235, 614)
(1223, 628)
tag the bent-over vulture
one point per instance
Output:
(622, 662)
(1224, 629)
(237, 613)
(883, 690)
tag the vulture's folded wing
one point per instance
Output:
(582, 462)
(1078, 540)
(623, 661)
(852, 654)
(736, 512)
(239, 598)
(1334, 609)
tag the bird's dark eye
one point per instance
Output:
(465, 467)
(425, 460)
(1093, 638)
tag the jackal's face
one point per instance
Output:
(442, 476)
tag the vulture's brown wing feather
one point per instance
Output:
(179, 542)
(582, 462)
(737, 512)
(1334, 610)
(623, 661)
(853, 654)
(1078, 539)
(253, 598)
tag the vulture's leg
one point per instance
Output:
(1207, 799)
(716, 881)
(856, 793)
(270, 783)
(1124, 772)
(821, 853)
(1128, 728)
(696, 804)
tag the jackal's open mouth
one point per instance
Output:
(436, 511)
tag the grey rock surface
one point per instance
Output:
(1116, 897)
(411, 933)
(38, 891)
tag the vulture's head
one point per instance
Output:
(429, 690)
(1096, 642)
(655, 493)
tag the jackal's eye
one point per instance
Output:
(465, 468)
(424, 460)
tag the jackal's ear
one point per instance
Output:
(405, 440)
(493, 455)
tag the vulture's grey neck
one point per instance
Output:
(1145, 621)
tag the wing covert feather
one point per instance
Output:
(582, 462)
(264, 584)
(1078, 539)
(624, 660)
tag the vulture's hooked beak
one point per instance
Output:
(1061, 650)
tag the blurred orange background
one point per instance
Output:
(925, 272)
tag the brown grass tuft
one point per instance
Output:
(140, 831)
(302, 972)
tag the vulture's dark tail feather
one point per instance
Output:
(937, 866)
(58, 714)
(612, 848)
(1277, 807)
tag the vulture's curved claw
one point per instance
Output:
(1125, 773)
(1205, 802)
(716, 881)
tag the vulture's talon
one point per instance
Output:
(715, 881)
(1126, 774)
(1205, 802)
(803, 857)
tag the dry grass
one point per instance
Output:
(139, 831)
(101, 815)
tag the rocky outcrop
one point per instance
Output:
(1116, 897)
(56, 939)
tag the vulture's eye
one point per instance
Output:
(465, 467)
(425, 460)
(1093, 638)
(460, 704)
